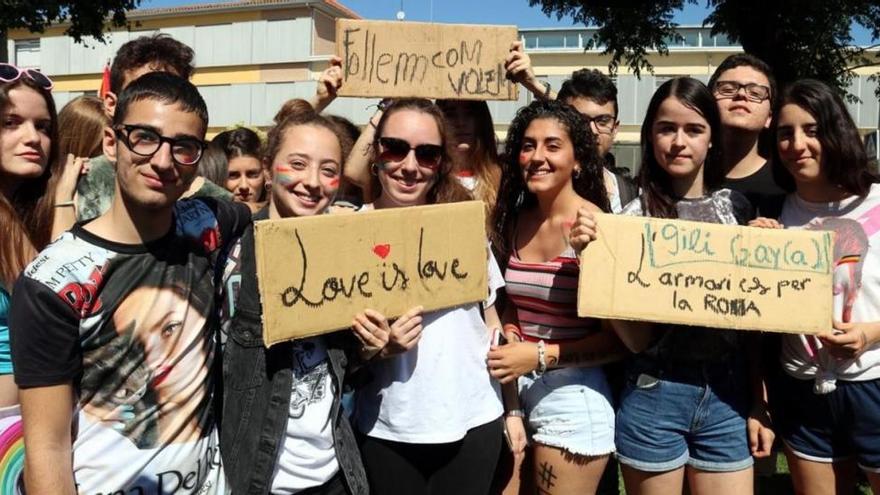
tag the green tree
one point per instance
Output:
(798, 38)
(84, 17)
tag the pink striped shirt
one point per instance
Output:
(545, 296)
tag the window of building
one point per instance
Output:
(531, 41)
(551, 41)
(572, 40)
(27, 54)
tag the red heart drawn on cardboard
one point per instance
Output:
(382, 250)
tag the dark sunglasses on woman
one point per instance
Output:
(396, 150)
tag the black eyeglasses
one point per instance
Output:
(10, 73)
(604, 123)
(754, 92)
(396, 150)
(144, 141)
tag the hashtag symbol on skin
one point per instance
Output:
(547, 475)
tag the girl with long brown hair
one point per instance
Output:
(32, 188)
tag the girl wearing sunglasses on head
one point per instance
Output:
(552, 171)
(36, 188)
(826, 404)
(430, 416)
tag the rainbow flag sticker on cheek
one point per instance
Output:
(11, 451)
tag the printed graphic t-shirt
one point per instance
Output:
(130, 326)
(856, 284)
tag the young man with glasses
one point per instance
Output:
(112, 330)
(744, 88)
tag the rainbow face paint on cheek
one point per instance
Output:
(334, 182)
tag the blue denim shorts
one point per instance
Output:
(840, 425)
(569, 408)
(697, 416)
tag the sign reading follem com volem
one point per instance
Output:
(418, 59)
(316, 273)
(718, 276)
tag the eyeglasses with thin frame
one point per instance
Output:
(396, 150)
(144, 141)
(604, 124)
(10, 73)
(755, 92)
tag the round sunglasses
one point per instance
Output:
(396, 150)
(10, 73)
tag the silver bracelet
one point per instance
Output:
(542, 358)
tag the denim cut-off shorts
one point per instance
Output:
(569, 408)
(667, 420)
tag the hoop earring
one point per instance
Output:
(267, 186)
(374, 169)
(577, 174)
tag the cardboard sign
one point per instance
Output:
(719, 276)
(316, 273)
(399, 59)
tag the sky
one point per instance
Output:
(516, 12)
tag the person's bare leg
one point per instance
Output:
(557, 472)
(645, 483)
(714, 483)
(820, 478)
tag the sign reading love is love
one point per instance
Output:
(316, 273)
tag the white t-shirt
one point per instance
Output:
(613, 191)
(856, 222)
(440, 389)
(307, 457)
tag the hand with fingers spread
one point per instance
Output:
(328, 84)
(765, 223)
(404, 333)
(583, 231)
(849, 340)
(510, 361)
(373, 332)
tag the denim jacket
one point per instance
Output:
(257, 386)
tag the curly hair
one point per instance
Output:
(658, 199)
(446, 188)
(844, 160)
(514, 195)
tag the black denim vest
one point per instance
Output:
(256, 395)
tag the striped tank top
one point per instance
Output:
(545, 296)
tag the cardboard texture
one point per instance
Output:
(712, 275)
(400, 59)
(316, 273)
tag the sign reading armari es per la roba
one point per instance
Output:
(316, 273)
(719, 276)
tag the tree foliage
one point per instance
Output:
(798, 38)
(85, 17)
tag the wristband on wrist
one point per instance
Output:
(64, 204)
(518, 413)
(542, 358)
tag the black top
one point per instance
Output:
(761, 189)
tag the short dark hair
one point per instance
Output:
(165, 87)
(844, 159)
(590, 84)
(745, 60)
(159, 50)
(239, 142)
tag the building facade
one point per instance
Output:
(253, 55)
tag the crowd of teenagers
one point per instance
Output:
(131, 325)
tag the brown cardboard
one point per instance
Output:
(400, 59)
(719, 276)
(316, 273)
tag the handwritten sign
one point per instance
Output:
(316, 273)
(466, 62)
(720, 276)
